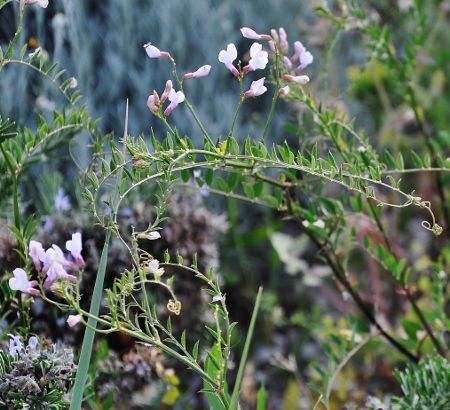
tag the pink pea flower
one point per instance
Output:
(36, 250)
(166, 91)
(201, 72)
(227, 57)
(299, 79)
(75, 246)
(252, 34)
(155, 52)
(305, 57)
(256, 88)
(73, 320)
(258, 58)
(284, 45)
(283, 91)
(40, 3)
(54, 256)
(56, 271)
(175, 98)
(152, 102)
(20, 282)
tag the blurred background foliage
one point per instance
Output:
(101, 45)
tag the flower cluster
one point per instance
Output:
(258, 61)
(51, 264)
(155, 102)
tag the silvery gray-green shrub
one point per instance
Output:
(34, 376)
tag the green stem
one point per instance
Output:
(275, 95)
(238, 108)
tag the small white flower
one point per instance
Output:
(153, 235)
(153, 267)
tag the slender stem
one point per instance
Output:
(275, 94)
(437, 176)
(16, 35)
(238, 108)
(339, 272)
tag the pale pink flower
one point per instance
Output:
(73, 320)
(300, 79)
(40, 3)
(56, 271)
(75, 247)
(284, 91)
(166, 91)
(284, 45)
(227, 57)
(201, 72)
(20, 282)
(256, 88)
(152, 102)
(175, 98)
(305, 57)
(155, 52)
(252, 34)
(287, 62)
(258, 58)
(36, 250)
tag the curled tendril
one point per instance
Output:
(174, 306)
(435, 228)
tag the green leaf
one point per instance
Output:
(213, 364)
(249, 191)
(223, 185)
(195, 350)
(271, 201)
(23, 51)
(185, 175)
(258, 188)
(233, 180)
(427, 160)
(209, 176)
(332, 160)
(400, 161)
(417, 159)
(183, 339)
(390, 160)
(261, 398)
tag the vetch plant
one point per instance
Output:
(350, 188)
